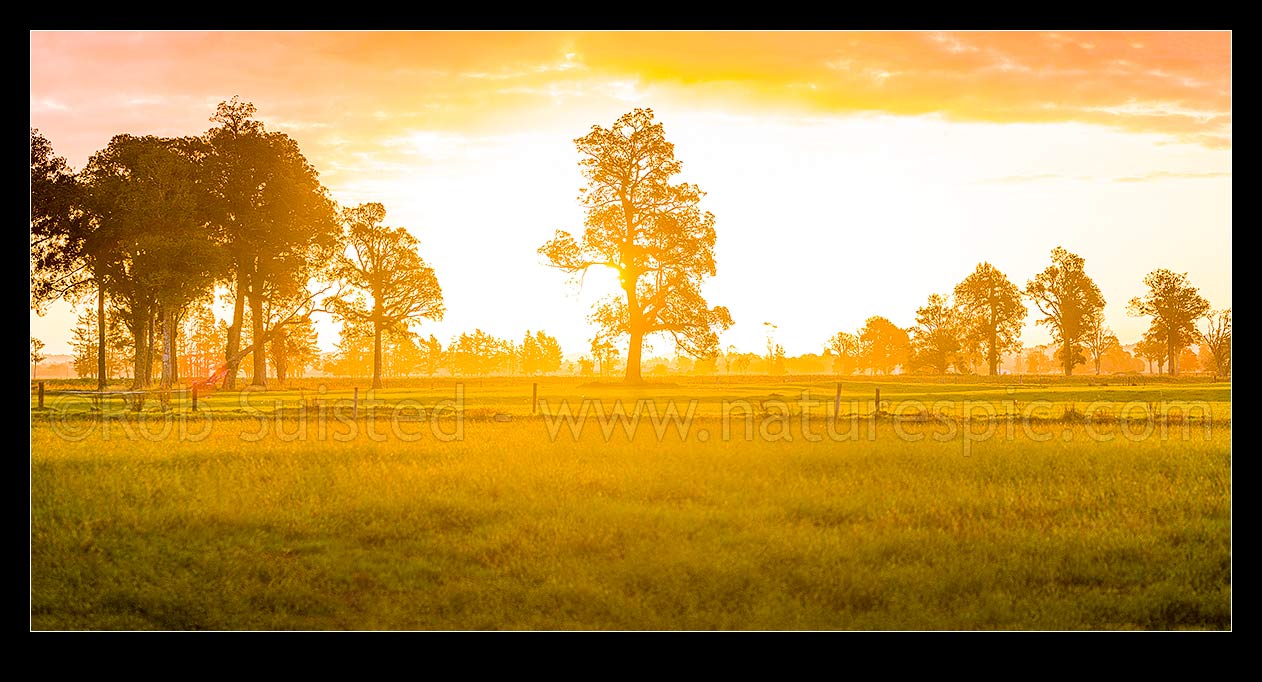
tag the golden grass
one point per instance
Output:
(507, 529)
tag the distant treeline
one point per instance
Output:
(972, 329)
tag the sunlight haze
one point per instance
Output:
(850, 174)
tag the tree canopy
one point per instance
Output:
(991, 313)
(935, 340)
(277, 223)
(58, 267)
(1174, 306)
(1067, 299)
(651, 231)
(154, 252)
(383, 263)
(885, 345)
(845, 350)
(1216, 338)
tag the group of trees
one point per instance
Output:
(153, 225)
(84, 344)
(480, 353)
(469, 354)
(654, 235)
(880, 346)
(1175, 307)
(981, 322)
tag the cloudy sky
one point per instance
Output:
(851, 174)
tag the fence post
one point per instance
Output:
(534, 396)
(837, 402)
(194, 395)
(355, 412)
(41, 395)
(878, 401)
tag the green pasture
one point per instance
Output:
(250, 517)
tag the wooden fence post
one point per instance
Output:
(41, 395)
(355, 412)
(837, 402)
(534, 396)
(194, 395)
(878, 400)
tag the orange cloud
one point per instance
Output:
(1173, 83)
(376, 83)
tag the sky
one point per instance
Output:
(850, 174)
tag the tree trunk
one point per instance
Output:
(140, 334)
(150, 331)
(234, 336)
(633, 357)
(260, 349)
(101, 378)
(175, 348)
(992, 354)
(168, 347)
(1097, 366)
(1067, 358)
(376, 355)
(1171, 357)
(636, 344)
(280, 356)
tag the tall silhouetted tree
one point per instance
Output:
(294, 348)
(1187, 360)
(991, 313)
(1152, 347)
(383, 262)
(203, 340)
(1216, 338)
(276, 221)
(885, 345)
(353, 351)
(57, 267)
(651, 232)
(478, 353)
(1035, 361)
(65, 255)
(1067, 298)
(143, 196)
(845, 349)
(935, 340)
(775, 360)
(1098, 339)
(400, 354)
(83, 345)
(605, 353)
(1174, 306)
(529, 354)
(37, 355)
(433, 355)
(1117, 359)
(186, 260)
(539, 352)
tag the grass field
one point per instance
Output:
(248, 516)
